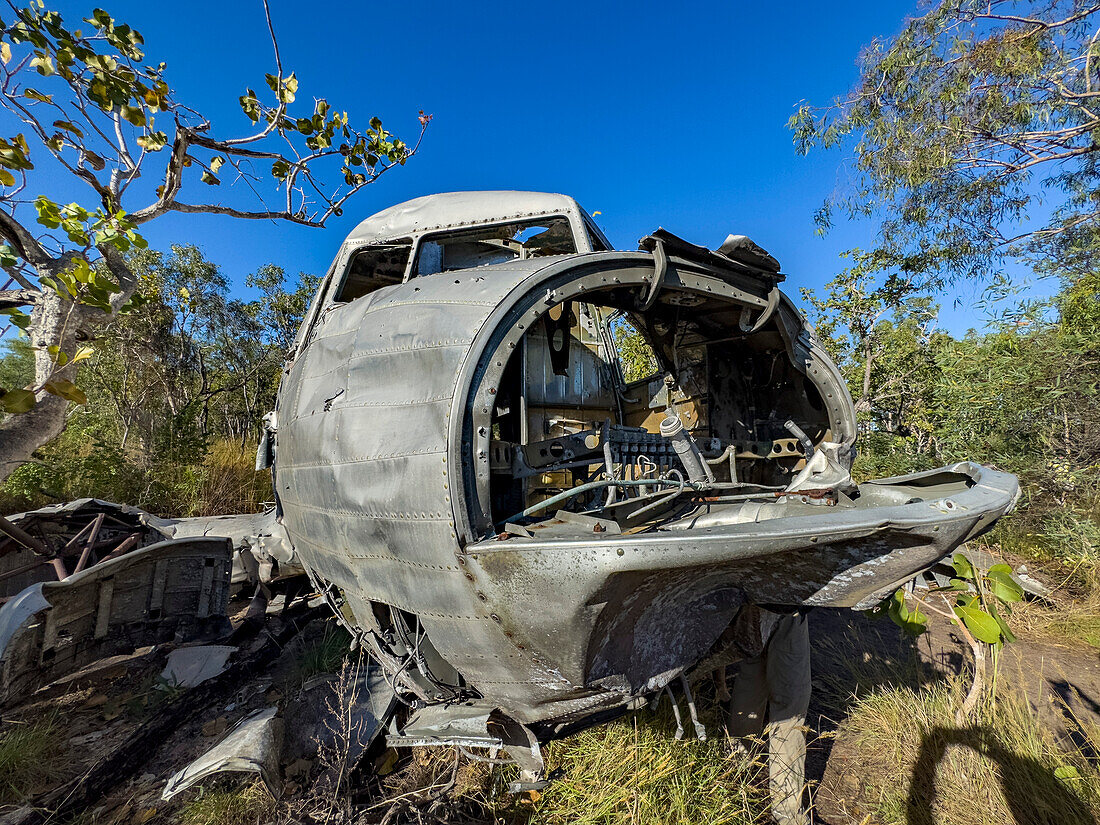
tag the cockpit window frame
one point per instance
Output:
(581, 242)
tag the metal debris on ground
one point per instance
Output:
(253, 746)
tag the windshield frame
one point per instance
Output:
(581, 242)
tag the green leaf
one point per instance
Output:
(66, 389)
(209, 178)
(981, 625)
(290, 88)
(18, 317)
(59, 357)
(1002, 584)
(250, 105)
(152, 142)
(134, 115)
(44, 64)
(1006, 631)
(34, 94)
(963, 568)
(68, 127)
(912, 622)
(1067, 773)
(7, 178)
(216, 163)
(17, 401)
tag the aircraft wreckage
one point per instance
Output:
(529, 535)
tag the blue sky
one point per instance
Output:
(654, 114)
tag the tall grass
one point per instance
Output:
(634, 771)
(29, 752)
(225, 482)
(923, 769)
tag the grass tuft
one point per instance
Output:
(246, 805)
(27, 754)
(633, 771)
(326, 654)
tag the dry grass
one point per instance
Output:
(923, 769)
(227, 482)
(247, 805)
(1074, 618)
(28, 754)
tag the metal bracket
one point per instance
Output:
(660, 270)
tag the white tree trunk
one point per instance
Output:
(54, 322)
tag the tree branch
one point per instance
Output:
(26, 245)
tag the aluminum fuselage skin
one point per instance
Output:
(382, 475)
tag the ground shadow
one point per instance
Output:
(1073, 703)
(1032, 792)
(853, 654)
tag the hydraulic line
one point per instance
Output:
(565, 495)
(800, 434)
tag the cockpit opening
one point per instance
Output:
(608, 411)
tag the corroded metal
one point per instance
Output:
(395, 478)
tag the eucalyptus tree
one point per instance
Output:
(974, 135)
(86, 105)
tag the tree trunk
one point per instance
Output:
(54, 321)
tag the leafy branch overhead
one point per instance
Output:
(977, 112)
(106, 115)
(85, 103)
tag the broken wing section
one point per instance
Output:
(153, 595)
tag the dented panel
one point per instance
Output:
(513, 523)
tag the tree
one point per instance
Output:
(864, 325)
(961, 126)
(176, 388)
(95, 111)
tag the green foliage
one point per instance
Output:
(101, 112)
(978, 599)
(952, 124)
(636, 357)
(912, 622)
(1023, 396)
(176, 388)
